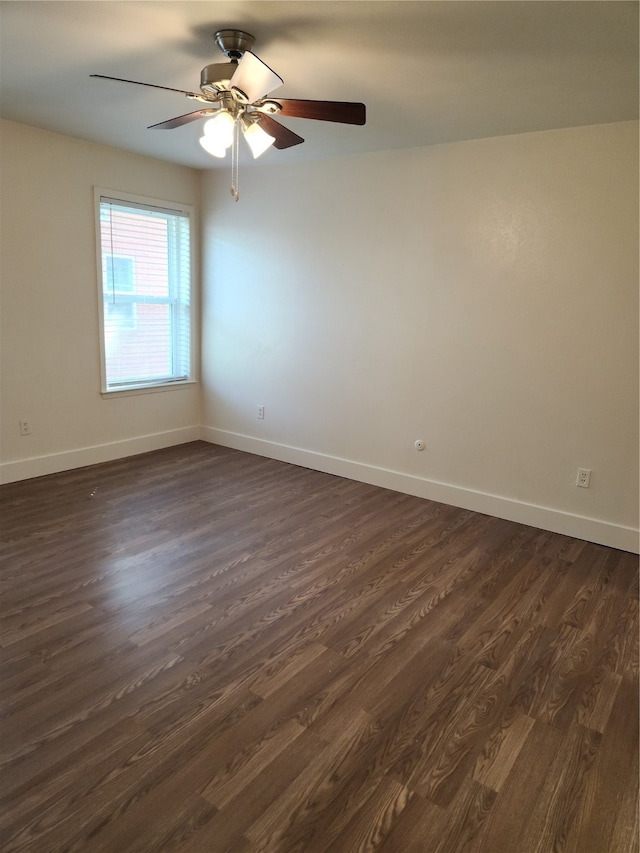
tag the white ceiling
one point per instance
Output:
(429, 71)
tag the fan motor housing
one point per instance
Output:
(215, 78)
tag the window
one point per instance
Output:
(119, 312)
(145, 292)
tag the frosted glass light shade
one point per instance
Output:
(210, 146)
(219, 130)
(252, 79)
(259, 140)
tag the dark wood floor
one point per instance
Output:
(208, 651)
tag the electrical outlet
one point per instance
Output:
(25, 428)
(584, 478)
(260, 413)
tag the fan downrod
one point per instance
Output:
(233, 43)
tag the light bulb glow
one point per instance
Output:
(211, 147)
(258, 139)
(219, 130)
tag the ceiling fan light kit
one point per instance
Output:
(219, 129)
(257, 138)
(211, 148)
(253, 79)
(235, 95)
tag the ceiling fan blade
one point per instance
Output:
(152, 85)
(284, 138)
(341, 111)
(252, 79)
(178, 121)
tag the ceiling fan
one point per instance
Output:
(236, 96)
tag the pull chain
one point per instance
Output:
(235, 192)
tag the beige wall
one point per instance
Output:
(50, 351)
(481, 296)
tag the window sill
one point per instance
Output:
(147, 389)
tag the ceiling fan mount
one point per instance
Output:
(233, 43)
(215, 78)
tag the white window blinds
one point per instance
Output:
(145, 293)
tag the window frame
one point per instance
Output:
(144, 203)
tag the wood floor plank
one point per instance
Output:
(470, 809)
(501, 750)
(371, 826)
(225, 831)
(597, 826)
(53, 796)
(70, 701)
(526, 790)
(245, 766)
(291, 822)
(207, 651)
(413, 826)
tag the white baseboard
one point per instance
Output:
(579, 527)
(37, 466)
